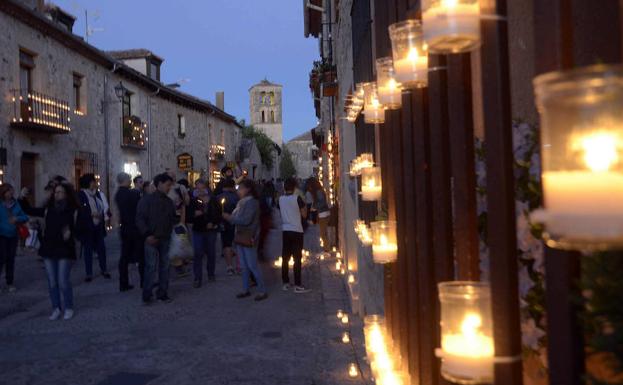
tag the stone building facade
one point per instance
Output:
(68, 108)
(304, 155)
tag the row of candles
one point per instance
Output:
(581, 123)
(447, 26)
(467, 348)
(381, 235)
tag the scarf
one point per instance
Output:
(96, 205)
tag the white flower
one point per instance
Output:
(537, 253)
(525, 239)
(531, 334)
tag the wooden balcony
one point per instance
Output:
(133, 133)
(35, 111)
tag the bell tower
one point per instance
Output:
(266, 109)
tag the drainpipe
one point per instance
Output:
(105, 104)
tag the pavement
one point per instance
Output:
(205, 336)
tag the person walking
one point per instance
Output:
(131, 241)
(207, 218)
(11, 217)
(181, 199)
(321, 209)
(91, 225)
(228, 200)
(246, 218)
(138, 183)
(58, 248)
(155, 218)
(293, 213)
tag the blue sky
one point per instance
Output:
(219, 45)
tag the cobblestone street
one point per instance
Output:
(205, 336)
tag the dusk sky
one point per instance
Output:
(218, 45)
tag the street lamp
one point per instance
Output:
(120, 91)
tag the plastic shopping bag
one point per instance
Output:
(32, 241)
(180, 248)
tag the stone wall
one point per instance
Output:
(302, 157)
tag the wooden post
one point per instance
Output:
(463, 168)
(501, 219)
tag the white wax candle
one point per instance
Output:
(390, 94)
(412, 70)
(584, 204)
(371, 193)
(374, 115)
(384, 253)
(451, 27)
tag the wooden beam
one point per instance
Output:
(501, 219)
(461, 128)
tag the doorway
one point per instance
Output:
(28, 179)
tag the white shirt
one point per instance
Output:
(290, 207)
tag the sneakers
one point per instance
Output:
(11, 289)
(301, 289)
(69, 314)
(231, 271)
(261, 297)
(286, 287)
(244, 294)
(55, 314)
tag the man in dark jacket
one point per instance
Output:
(131, 240)
(155, 218)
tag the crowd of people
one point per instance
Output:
(157, 219)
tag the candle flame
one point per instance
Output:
(413, 55)
(371, 183)
(470, 325)
(383, 240)
(449, 3)
(600, 150)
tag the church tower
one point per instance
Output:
(266, 109)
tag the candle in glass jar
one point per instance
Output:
(390, 94)
(374, 113)
(451, 26)
(384, 251)
(468, 354)
(371, 191)
(413, 69)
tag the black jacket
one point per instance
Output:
(212, 214)
(53, 245)
(127, 202)
(155, 215)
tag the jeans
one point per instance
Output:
(292, 247)
(248, 259)
(94, 243)
(58, 271)
(204, 243)
(131, 252)
(8, 249)
(323, 224)
(156, 255)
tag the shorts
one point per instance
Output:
(227, 237)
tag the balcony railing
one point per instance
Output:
(133, 132)
(36, 111)
(217, 152)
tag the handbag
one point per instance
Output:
(22, 231)
(244, 237)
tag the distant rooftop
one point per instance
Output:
(304, 137)
(138, 53)
(266, 82)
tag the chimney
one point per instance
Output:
(220, 100)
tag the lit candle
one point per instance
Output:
(390, 91)
(345, 338)
(352, 370)
(338, 265)
(371, 185)
(468, 354)
(340, 314)
(412, 70)
(351, 278)
(409, 54)
(373, 110)
(343, 271)
(345, 319)
(384, 251)
(451, 26)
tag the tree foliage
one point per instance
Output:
(287, 168)
(265, 144)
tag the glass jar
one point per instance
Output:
(451, 26)
(384, 243)
(371, 184)
(410, 57)
(373, 110)
(390, 91)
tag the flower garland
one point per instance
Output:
(529, 244)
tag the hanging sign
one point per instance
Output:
(185, 162)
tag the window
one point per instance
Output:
(272, 116)
(126, 102)
(79, 105)
(262, 97)
(271, 98)
(153, 70)
(263, 117)
(181, 126)
(26, 65)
